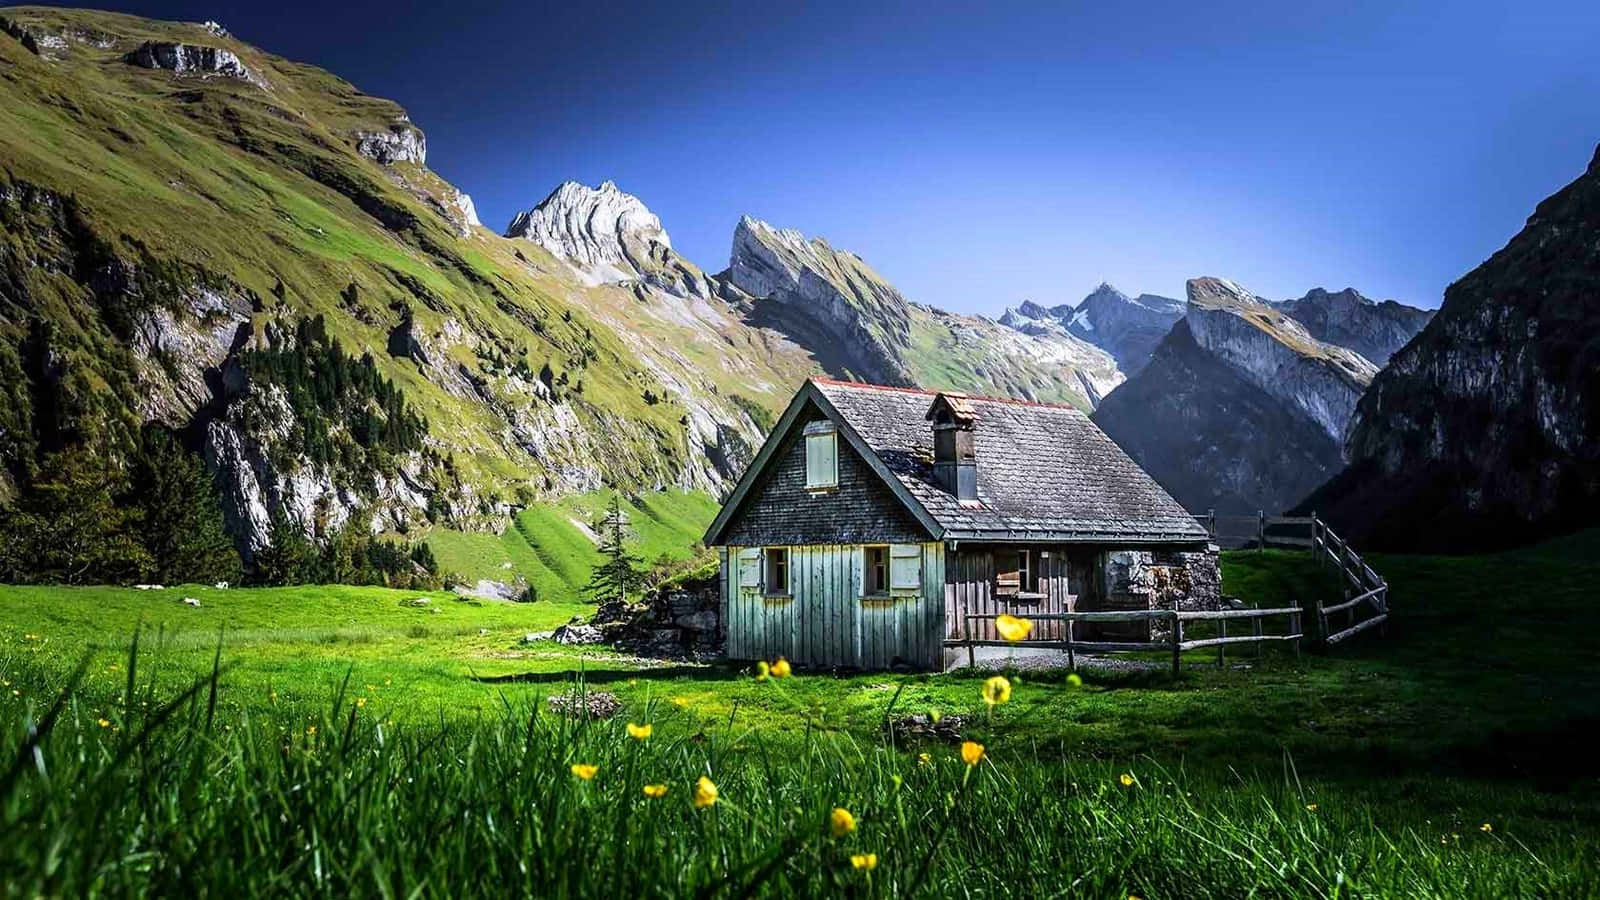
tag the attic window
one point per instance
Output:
(822, 456)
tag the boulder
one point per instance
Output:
(578, 635)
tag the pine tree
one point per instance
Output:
(290, 558)
(180, 521)
(620, 573)
(67, 527)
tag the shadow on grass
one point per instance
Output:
(716, 672)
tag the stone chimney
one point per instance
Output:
(955, 451)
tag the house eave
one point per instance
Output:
(1027, 536)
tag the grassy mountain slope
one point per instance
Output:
(158, 224)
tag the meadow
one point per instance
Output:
(346, 740)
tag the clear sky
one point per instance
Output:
(981, 155)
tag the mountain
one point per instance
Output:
(857, 325)
(1484, 431)
(1129, 328)
(1240, 408)
(203, 237)
(1374, 330)
(251, 252)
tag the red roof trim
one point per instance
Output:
(1012, 401)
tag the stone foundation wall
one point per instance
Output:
(683, 622)
(1145, 579)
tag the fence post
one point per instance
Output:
(1177, 643)
(1072, 658)
(1222, 649)
(972, 659)
(1261, 531)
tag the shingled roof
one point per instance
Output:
(1045, 472)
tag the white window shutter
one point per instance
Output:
(822, 460)
(750, 568)
(905, 567)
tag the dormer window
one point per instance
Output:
(822, 456)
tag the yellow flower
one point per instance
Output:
(104, 723)
(1075, 680)
(996, 690)
(1012, 628)
(311, 730)
(640, 732)
(841, 821)
(924, 759)
(361, 702)
(1311, 807)
(1126, 779)
(761, 670)
(780, 669)
(680, 702)
(655, 791)
(972, 752)
(584, 771)
(867, 861)
(705, 793)
(1486, 828)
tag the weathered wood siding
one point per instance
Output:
(969, 588)
(779, 510)
(825, 622)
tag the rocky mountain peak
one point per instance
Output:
(590, 226)
(1375, 330)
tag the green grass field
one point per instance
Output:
(1368, 771)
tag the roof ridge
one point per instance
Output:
(1009, 401)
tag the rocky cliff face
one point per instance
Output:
(1129, 328)
(193, 59)
(1277, 353)
(1346, 318)
(857, 325)
(400, 142)
(1484, 430)
(1239, 408)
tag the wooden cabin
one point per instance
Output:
(875, 519)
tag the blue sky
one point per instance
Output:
(981, 155)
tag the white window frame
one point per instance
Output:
(866, 568)
(767, 587)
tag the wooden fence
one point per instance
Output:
(1365, 602)
(1366, 594)
(1259, 531)
(1174, 642)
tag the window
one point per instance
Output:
(905, 567)
(822, 456)
(875, 571)
(1014, 572)
(777, 580)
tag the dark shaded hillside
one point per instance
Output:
(1211, 438)
(1484, 431)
